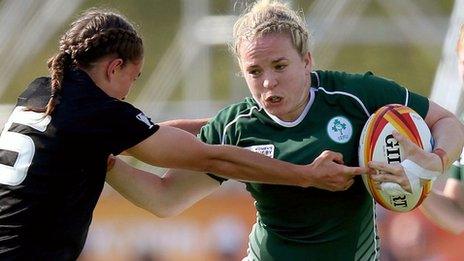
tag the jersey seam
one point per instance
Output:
(223, 137)
(349, 95)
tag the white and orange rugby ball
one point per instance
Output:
(377, 144)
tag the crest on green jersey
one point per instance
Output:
(339, 129)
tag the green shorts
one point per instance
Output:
(267, 246)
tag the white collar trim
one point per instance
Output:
(300, 118)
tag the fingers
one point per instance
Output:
(398, 136)
(386, 177)
(333, 156)
(356, 171)
(349, 184)
(395, 169)
(409, 147)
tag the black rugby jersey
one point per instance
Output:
(52, 169)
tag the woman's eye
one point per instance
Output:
(254, 72)
(280, 66)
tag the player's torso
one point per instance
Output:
(309, 214)
(49, 179)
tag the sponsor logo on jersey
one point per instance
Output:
(143, 118)
(266, 150)
(339, 129)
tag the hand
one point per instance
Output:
(411, 151)
(395, 172)
(329, 173)
(389, 173)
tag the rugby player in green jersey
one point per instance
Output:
(299, 116)
(447, 208)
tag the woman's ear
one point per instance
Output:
(112, 67)
(308, 63)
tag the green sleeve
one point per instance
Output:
(211, 134)
(375, 92)
(381, 91)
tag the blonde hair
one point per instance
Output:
(268, 17)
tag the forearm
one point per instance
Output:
(237, 163)
(448, 135)
(173, 148)
(444, 212)
(447, 131)
(163, 196)
(139, 187)
(192, 126)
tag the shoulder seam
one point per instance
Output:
(407, 96)
(223, 137)
(349, 95)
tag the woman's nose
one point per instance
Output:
(269, 82)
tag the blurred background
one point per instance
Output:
(190, 73)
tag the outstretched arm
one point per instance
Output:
(192, 126)
(164, 196)
(173, 148)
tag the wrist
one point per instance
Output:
(304, 172)
(443, 158)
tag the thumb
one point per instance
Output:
(408, 145)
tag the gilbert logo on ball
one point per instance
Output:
(378, 144)
(339, 129)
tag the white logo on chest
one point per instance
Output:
(339, 129)
(266, 150)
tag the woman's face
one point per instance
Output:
(276, 74)
(125, 78)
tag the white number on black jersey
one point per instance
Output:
(16, 149)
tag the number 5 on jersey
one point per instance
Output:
(16, 149)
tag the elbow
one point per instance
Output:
(160, 209)
(166, 203)
(166, 212)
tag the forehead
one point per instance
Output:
(267, 47)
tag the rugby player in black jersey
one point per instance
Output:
(55, 145)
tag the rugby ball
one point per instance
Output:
(377, 144)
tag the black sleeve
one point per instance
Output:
(125, 126)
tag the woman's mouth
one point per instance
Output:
(273, 99)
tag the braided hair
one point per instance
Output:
(268, 17)
(95, 34)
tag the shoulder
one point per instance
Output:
(226, 119)
(237, 110)
(344, 81)
(368, 91)
(36, 94)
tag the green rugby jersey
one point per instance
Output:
(295, 223)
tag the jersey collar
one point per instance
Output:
(300, 118)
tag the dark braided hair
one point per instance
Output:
(94, 35)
